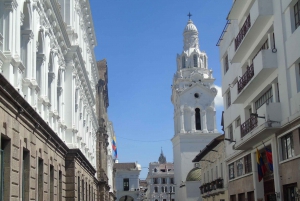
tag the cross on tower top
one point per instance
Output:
(189, 15)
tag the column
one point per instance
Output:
(8, 26)
(275, 92)
(193, 123)
(181, 121)
(275, 158)
(203, 122)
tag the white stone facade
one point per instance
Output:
(127, 181)
(160, 182)
(46, 53)
(260, 58)
(193, 94)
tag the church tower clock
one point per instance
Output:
(193, 95)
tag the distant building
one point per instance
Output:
(260, 59)
(127, 181)
(160, 180)
(193, 94)
(213, 170)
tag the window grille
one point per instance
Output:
(239, 167)
(226, 64)
(287, 146)
(265, 98)
(248, 164)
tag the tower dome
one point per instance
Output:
(190, 27)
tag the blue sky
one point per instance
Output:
(140, 40)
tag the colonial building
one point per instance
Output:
(260, 56)
(51, 134)
(160, 180)
(214, 179)
(193, 94)
(127, 181)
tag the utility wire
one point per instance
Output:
(142, 140)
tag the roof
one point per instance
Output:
(209, 147)
(190, 27)
(194, 175)
(124, 166)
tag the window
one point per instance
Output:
(230, 132)
(126, 184)
(221, 170)
(40, 179)
(265, 98)
(166, 189)
(287, 146)
(289, 192)
(197, 119)
(171, 180)
(155, 180)
(78, 188)
(207, 176)
(239, 167)
(51, 182)
(250, 196)
(231, 171)
(162, 189)
(238, 122)
(212, 174)
(297, 14)
(183, 61)
(25, 175)
(241, 197)
(226, 64)
(1, 174)
(297, 77)
(163, 180)
(156, 189)
(228, 99)
(60, 185)
(216, 172)
(195, 60)
(248, 164)
(232, 198)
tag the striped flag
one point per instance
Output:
(114, 147)
(269, 158)
(261, 168)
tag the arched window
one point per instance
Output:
(197, 119)
(183, 61)
(195, 58)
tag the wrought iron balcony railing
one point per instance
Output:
(248, 125)
(248, 75)
(241, 35)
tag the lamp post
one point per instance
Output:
(170, 193)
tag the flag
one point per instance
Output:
(114, 147)
(269, 158)
(261, 168)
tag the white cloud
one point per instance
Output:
(219, 98)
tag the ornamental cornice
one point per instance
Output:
(11, 5)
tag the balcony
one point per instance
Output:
(212, 188)
(248, 126)
(260, 14)
(259, 129)
(236, 9)
(242, 33)
(256, 76)
(245, 79)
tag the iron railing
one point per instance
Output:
(248, 75)
(248, 125)
(214, 185)
(241, 35)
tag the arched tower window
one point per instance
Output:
(195, 58)
(183, 61)
(197, 119)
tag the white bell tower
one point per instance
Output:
(193, 94)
